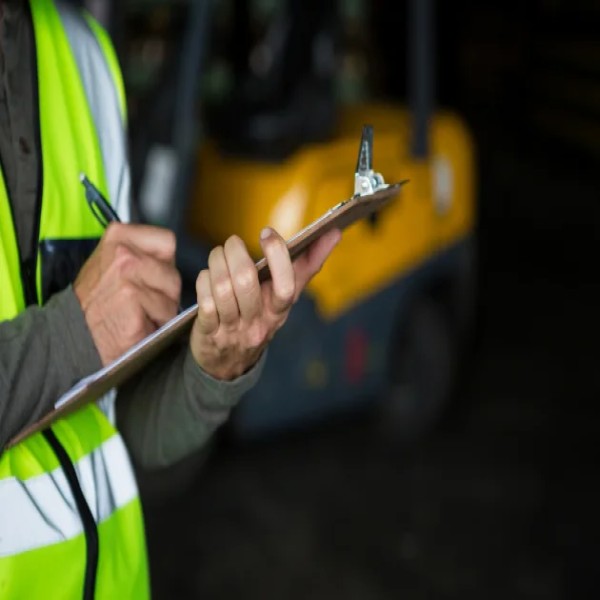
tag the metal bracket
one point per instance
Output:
(367, 181)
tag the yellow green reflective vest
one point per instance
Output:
(70, 517)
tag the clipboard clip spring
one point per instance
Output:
(367, 181)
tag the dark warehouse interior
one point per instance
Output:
(489, 492)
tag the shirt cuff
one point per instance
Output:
(215, 393)
(71, 335)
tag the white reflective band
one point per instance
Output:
(107, 405)
(41, 511)
(103, 100)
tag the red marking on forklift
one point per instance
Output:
(356, 355)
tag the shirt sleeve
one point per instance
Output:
(164, 413)
(43, 352)
(174, 407)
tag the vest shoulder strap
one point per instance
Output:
(101, 78)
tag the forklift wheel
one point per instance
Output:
(421, 374)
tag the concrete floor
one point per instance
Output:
(501, 502)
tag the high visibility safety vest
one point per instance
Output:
(70, 517)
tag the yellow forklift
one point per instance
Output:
(383, 325)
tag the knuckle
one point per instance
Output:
(128, 266)
(122, 250)
(285, 293)
(125, 259)
(222, 344)
(223, 289)
(257, 336)
(134, 327)
(129, 293)
(246, 280)
(207, 307)
(137, 322)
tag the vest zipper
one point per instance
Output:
(29, 279)
(87, 518)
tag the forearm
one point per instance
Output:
(174, 407)
(43, 351)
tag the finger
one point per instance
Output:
(222, 288)
(244, 277)
(130, 324)
(159, 308)
(283, 278)
(208, 317)
(310, 262)
(156, 241)
(147, 271)
(160, 276)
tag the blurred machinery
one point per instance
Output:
(255, 119)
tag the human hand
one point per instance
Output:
(237, 316)
(128, 287)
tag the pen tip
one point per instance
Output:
(82, 177)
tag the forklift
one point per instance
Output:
(256, 121)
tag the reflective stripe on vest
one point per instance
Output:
(81, 129)
(46, 514)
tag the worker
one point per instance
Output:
(70, 516)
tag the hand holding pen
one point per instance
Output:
(129, 286)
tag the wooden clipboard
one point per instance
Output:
(96, 385)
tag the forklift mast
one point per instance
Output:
(421, 69)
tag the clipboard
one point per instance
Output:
(371, 195)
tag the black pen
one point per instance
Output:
(102, 210)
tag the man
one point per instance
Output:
(70, 518)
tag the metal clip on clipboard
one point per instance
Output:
(367, 181)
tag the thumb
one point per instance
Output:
(309, 263)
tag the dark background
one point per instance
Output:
(500, 501)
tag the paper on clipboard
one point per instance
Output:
(94, 386)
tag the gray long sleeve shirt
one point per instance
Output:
(167, 411)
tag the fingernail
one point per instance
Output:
(265, 233)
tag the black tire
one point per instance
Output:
(422, 372)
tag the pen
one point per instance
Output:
(102, 210)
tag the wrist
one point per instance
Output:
(213, 391)
(224, 367)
